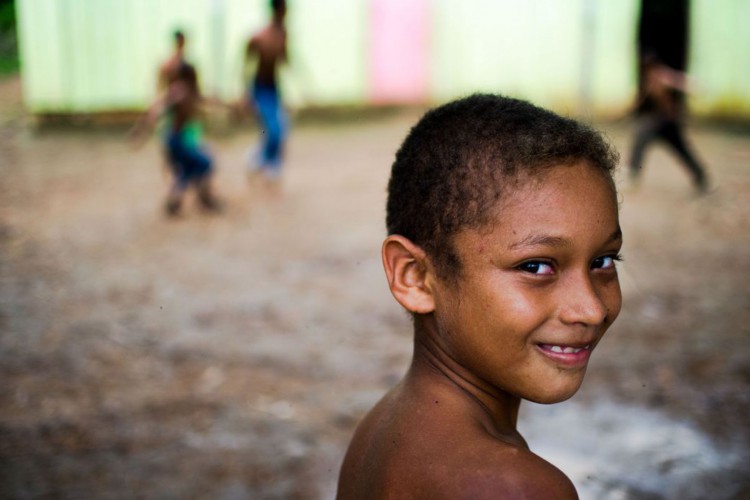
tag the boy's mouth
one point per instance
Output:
(569, 355)
(563, 349)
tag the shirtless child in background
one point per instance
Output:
(503, 232)
(179, 105)
(168, 69)
(269, 47)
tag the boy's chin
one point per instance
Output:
(551, 400)
(556, 395)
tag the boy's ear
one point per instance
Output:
(408, 273)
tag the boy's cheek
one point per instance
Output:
(614, 303)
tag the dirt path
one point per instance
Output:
(231, 356)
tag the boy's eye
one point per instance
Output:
(537, 267)
(605, 262)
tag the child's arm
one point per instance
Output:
(145, 125)
(249, 61)
(234, 109)
(674, 79)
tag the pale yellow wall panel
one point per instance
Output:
(576, 56)
(39, 35)
(719, 61)
(614, 55)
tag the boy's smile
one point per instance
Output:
(537, 289)
(568, 354)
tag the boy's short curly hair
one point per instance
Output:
(454, 165)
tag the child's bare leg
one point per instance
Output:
(174, 199)
(273, 186)
(206, 195)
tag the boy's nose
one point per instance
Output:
(582, 302)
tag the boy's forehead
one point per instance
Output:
(549, 182)
(530, 203)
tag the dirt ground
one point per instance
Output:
(231, 356)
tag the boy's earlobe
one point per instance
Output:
(406, 269)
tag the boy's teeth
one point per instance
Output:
(566, 350)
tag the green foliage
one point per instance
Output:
(7, 15)
(8, 65)
(8, 43)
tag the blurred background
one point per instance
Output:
(231, 356)
(575, 55)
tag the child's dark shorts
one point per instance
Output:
(189, 162)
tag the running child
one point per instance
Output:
(190, 163)
(269, 46)
(661, 117)
(503, 232)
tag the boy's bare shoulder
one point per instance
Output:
(506, 471)
(410, 456)
(497, 472)
(484, 468)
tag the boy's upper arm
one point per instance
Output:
(548, 487)
(527, 477)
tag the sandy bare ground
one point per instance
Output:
(231, 356)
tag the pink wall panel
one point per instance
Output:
(399, 50)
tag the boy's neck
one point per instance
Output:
(431, 364)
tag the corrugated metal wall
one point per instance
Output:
(557, 53)
(570, 55)
(720, 57)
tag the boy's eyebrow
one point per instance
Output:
(556, 241)
(616, 235)
(540, 239)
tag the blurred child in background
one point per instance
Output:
(169, 67)
(661, 116)
(190, 163)
(269, 46)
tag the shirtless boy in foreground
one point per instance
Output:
(503, 234)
